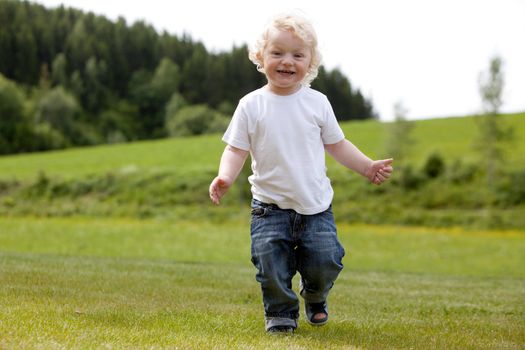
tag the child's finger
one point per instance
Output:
(381, 177)
(385, 173)
(387, 162)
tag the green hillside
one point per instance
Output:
(452, 137)
(171, 177)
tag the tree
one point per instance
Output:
(118, 124)
(105, 64)
(151, 94)
(27, 68)
(11, 115)
(174, 105)
(59, 109)
(95, 93)
(492, 134)
(166, 80)
(348, 103)
(491, 85)
(59, 70)
(196, 120)
(399, 139)
(195, 75)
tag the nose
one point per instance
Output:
(287, 59)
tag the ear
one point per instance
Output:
(260, 59)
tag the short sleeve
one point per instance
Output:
(331, 131)
(237, 133)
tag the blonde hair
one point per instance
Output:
(297, 25)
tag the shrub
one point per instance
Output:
(60, 109)
(408, 178)
(462, 173)
(512, 189)
(47, 138)
(434, 166)
(116, 124)
(196, 120)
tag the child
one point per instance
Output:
(286, 127)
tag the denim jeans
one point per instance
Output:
(285, 242)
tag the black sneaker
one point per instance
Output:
(275, 330)
(312, 309)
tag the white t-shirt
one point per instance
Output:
(285, 136)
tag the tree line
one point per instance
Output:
(71, 78)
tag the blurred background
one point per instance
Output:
(438, 86)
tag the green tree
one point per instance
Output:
(59, 70)
(104, 63)
(195, 75)
(117, 124)
(12, 118)
(196, 120)
(166, 80)
(493, 135)
(240, 76)
(95, 94)
(348, 103)
(59, 109)
(399, 139)
(27, 65)
(79, 45)
(151, 104)
(174, 105)
(491, 85)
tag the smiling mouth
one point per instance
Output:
(283, 71)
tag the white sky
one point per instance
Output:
(426, 54)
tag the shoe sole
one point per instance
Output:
(280, 334)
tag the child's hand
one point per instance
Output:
(379, 171)
(219, 186)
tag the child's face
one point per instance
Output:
(286, 60)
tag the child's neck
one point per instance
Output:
(283, 92)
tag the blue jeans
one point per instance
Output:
(285, 242)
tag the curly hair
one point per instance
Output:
(301, 27)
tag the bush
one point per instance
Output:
(196, 120)
(175, 104)
(512, 189)
(60, 109)
(434, 166)
(47, 138)
(408, 178)
(462, 173)
(116, 124)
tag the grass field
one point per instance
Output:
(165, 177)
(80, 270)
(126, 283)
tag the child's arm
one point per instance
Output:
(232, 161)
(377, 171)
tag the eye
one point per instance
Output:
(275, 53)
(299, 55)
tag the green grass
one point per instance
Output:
(452, 137)
(126, 283)
(91, 275)
(182, 155)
